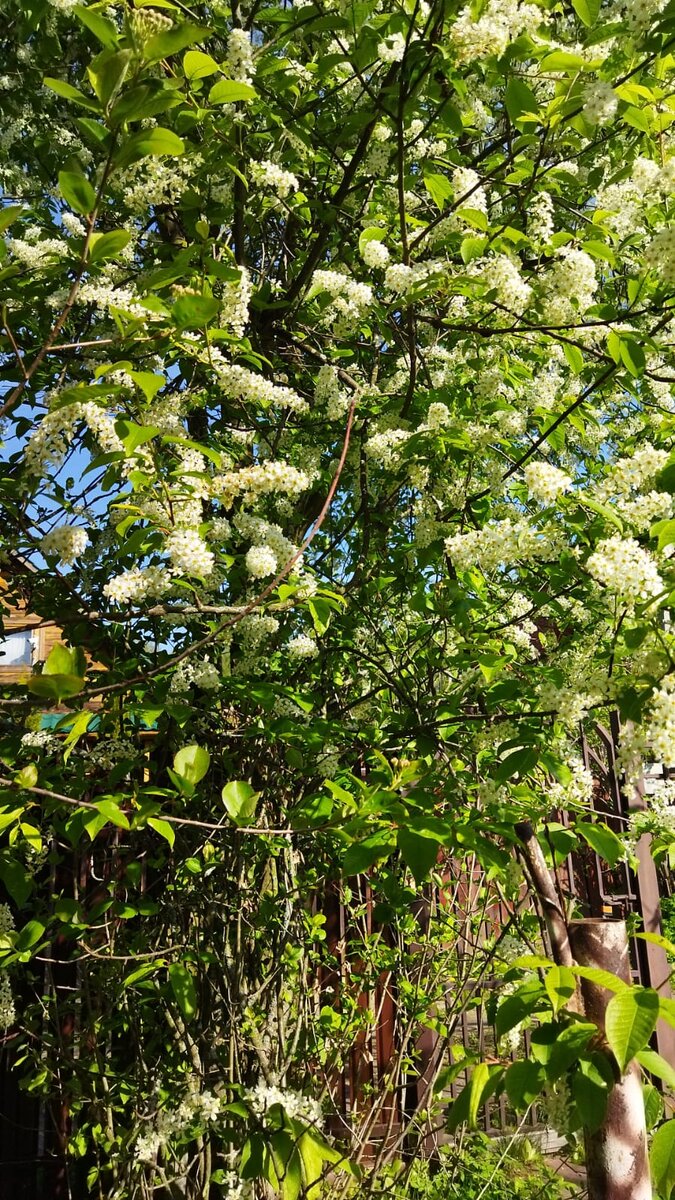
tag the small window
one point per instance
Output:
(15, 650)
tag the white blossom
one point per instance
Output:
(67, 542)
(625, 569)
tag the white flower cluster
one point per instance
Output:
(236, 1188)
(138, 584)
(255, 389)
(627, 478)
(197, 1108)
(106, 755)
(658, 819)
(240, 56)
(625, 569)
(385, 447)
(660, 732)
(545, 482)
(500, 23)
(271, 549)
(639, 14)
(600, 102)
(438, 416)
(296, 1106)
(400, 277)
(189, 553)
(48, 443)
(466, 187)
(262, 479)
(499, 543)
(350, 298)
(570, 278)
(72, 224)
(235, 301)
(7, 1006)
(270, 175)
(540, 212)
(392, 49)
(66, 542)
(329, 395)
(202, 674)
(37, 254)
(660, 254)
(260, 562)
(375, 254)
(576, 792)
(40, 739)
(502, 275)
(302, 646)
(570, 704)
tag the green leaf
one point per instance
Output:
(108, 245)
(107, 73)
(603, 510)
(193, 312)
(662, 1159)
(519, 99)
(157, 143)
(230, 91)
(198, 65)
(164, 829)
(100, 26)
(132, 436)
(632, 357)
(112, 812)
(240, 800)
(55, 687)
(602, 978)
(587, 10)
(630, 1022)
(9, 214)
(77, 192)
(665, 532)
(29, 936)
(603, 840)
(362, 855)
(65, 660)
(483, 1083)
(419, 853)
(184, 990)
(653, 1105)
(524, 1082)
(15, 877)
(440, 189)
(575, 359)
(27, 777)
(638, 118)
(287, 1165)
(172, 41)
(656, 1065)
(560, 985)
(68, 92)
(590, 1090)
(192, 763)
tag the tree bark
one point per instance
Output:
(617, 1162)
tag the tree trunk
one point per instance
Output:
(617, 1163)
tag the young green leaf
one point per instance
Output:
(630, 1021)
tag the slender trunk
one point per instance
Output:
(617, 1163)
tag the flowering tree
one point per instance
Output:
(338, 422)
